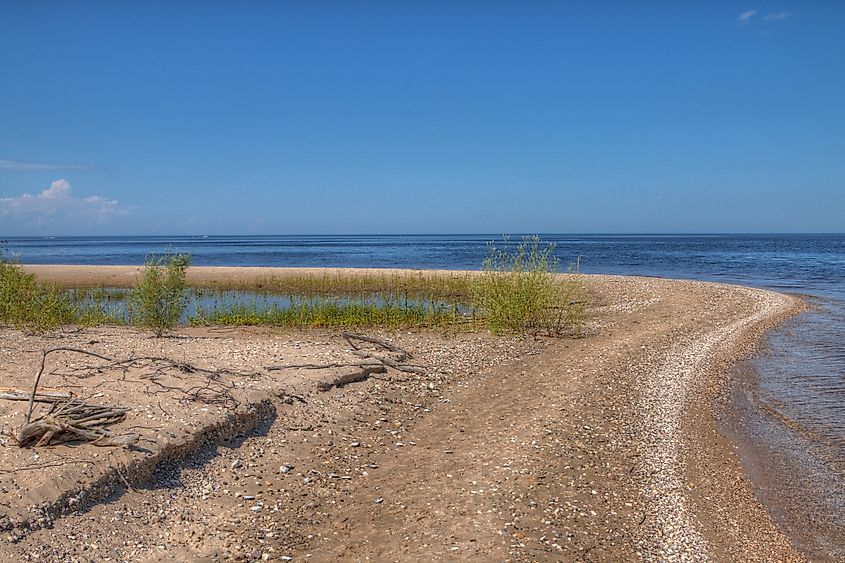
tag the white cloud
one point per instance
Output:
(58, 189)
(777, 16)
(56, 210)
(745, 17)
(21, 166)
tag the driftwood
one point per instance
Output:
(214, 389)
(43, 397)
(74, 420)
(369, 364)
(354, 377)
(41, 371)
(68, 419)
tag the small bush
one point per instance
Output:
(518, 290)
(27, 304)
(160, 299)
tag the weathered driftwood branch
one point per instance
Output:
(43, 397)
(41, 371)
(362, 363)
(352, 377)
(351, 338)
(368, 365)
(408, 368)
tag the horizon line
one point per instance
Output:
(501, 234)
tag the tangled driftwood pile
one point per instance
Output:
(68, 419)
(71, 419)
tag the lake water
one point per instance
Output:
(801, 376)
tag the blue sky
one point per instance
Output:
(402, 117)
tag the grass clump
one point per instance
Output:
(519, 290)
(159, 300)
(332, 312)
(27, 304)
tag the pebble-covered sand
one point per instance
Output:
(598, 448)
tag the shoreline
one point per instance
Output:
(695, 452)
(714, 467)
(792, 472)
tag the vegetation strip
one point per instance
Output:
(517, 291)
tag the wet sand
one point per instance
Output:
(599, 448)
(793, 472)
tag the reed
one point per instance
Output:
(333, 312)
(519, 290)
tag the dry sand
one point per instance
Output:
(602, 448)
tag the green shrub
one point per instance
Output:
(519, 291)
(27, 304)
(160, 299)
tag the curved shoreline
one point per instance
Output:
(669, 344)
(746, 532)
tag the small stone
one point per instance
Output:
(235, 464)
(285, 469)
(379, 500)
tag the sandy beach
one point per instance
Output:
(601, 448)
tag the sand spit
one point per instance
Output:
(601, 448)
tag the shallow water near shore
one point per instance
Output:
(205, 303)
(790, 415)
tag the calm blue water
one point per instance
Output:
(806, 263)
(803, 376)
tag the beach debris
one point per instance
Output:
(369, 364)
(71, 419)
(74, 420)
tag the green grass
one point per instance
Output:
(27, 304)
(518, 290)
(417, 285)
(329, 312)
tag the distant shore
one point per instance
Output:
(81, 276)
(629, 458)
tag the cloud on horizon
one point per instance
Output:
(745, 17)
(23, 166)
(777, 16)
(57, 210)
